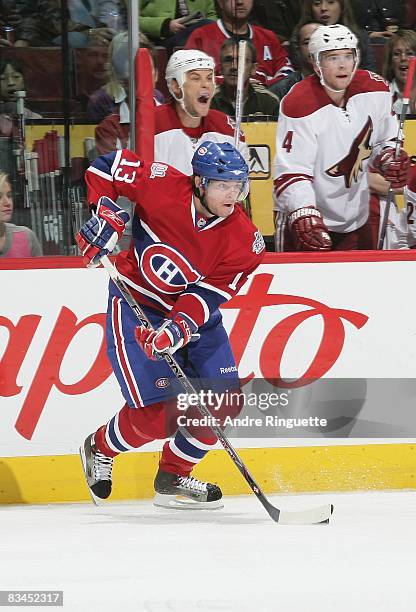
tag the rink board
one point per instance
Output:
(355, 318)
(261, 140)
(277, 470)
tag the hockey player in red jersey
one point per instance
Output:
(273, 63)
(192, 249)
(332, 125)
(182, 125)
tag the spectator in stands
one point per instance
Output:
(300, 57)
(91, 67)
(280, 16)
(170, 22)
(90, 23)
(113, 131)
(329, 12)
(15, 240)
(397, 52)
(11, 80)
(23, 18)
(410, 15)
(257, 100)
(112, 97)
(273, 63)
(380, 18)
(112, 13)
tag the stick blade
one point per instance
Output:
(313, 516)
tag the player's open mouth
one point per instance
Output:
(203, 99)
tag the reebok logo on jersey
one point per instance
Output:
(229, 369)
(352, 164)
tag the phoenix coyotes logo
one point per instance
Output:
(352, 164)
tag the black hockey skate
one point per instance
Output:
(97, 468)
(186, 492)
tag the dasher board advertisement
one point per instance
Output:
(300, 319)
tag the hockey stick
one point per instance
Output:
(239, 104)
(320, 514)
(239, 92)
(399, 143)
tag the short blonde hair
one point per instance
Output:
(4, 178)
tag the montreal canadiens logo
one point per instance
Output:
(166, 269)
(162, 383)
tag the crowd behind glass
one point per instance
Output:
(42, 104)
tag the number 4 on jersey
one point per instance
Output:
(287, 143)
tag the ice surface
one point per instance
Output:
(133, 557)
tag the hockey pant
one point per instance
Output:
(151, 391)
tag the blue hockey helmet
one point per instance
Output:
(219, 161)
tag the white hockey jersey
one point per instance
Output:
(323, 151)
(396, 237)
(176, 144)
(410, 201)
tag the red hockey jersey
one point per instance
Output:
(273, 63)
(178, 260)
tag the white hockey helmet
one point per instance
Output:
(183, 61)
(331, 38)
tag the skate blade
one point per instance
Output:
(180, 502)
(97, 500)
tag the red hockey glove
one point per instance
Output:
(173, 334)
(395, 170)
(99, 235)
(308, 230)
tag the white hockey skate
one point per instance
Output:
(186, 493)
(97, 468)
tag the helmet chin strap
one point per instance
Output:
(322, 82)
(201, 198)
(182, 103)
